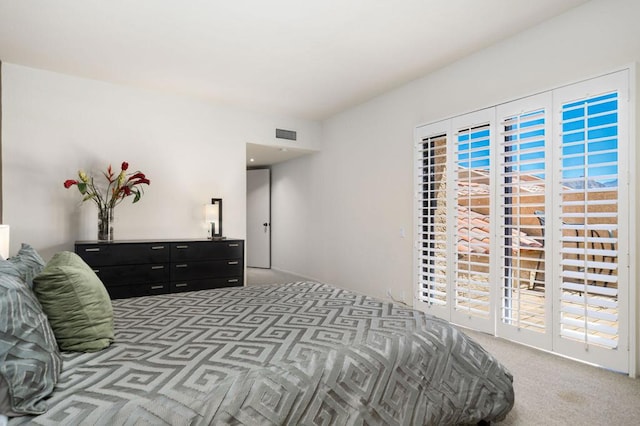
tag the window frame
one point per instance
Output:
(623, 81)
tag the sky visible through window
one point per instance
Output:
(589, 143)
(474, 148)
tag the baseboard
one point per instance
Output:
(305, 277)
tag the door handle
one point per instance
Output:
(266, 226)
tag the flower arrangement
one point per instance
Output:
(118, 187)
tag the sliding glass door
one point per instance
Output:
(522, 220)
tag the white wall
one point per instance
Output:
(362, 181)
(192, 150)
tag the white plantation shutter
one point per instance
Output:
(472, 226)
(591, 223)
(592, 294)
(524, 241)
(432, 159)
(471, 253)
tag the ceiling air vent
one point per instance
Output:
(286, 134)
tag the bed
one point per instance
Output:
(297, 353)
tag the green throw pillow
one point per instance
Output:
(76, 302)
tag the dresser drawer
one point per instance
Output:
(150, 289)
(119, 291)
(132, 274)
(189, 270)
(193, 285)
(205, 250)
(123, 254)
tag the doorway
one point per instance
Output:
(259, 218)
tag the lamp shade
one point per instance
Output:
(211, 212)
(4, 241)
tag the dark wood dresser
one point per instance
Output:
(132, 268)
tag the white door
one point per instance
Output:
(259, 218)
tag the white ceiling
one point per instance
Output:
(304, 58)
(266, 155)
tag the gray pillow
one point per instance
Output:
(30, 362)
(76, 303)
(26, 264)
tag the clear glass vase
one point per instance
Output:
(105, 224)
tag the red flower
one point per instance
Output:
(125, 165)
(137, 176)
(127, 191)
(70, 182)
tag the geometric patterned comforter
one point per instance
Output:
(299, 353)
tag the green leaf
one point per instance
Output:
(82, 187)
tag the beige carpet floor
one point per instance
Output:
(552, 390)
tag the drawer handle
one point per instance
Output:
(92, 249)
(182, 265)
(97, 271)
(235, 280)
(182, 247)
(181, 285)
(235, 262)
(157, 267)
(234, 245)
(157, 247)
(156, 287)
